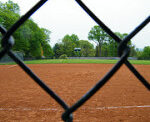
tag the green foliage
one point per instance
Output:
(47, 50)
(99, 36)
(30, 39)
(106, 45)
(63, 56)
(8, 18)
(87, 49)
(132, 47)
(109, 49)
(66, 46)
(133, 52)
(11, 6)
(33, 41)
(145, 54)
(69, 43)
(121, 36)
(58, 50)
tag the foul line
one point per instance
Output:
(116, 107)
(11, 66)
(56, 109)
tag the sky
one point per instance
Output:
(63, 17)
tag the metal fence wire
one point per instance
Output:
(123, 52)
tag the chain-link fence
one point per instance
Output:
(123, 52)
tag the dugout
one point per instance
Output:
(6, 58)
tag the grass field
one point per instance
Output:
(78, 61)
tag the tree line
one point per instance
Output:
(68, 45)
(144, 54)
(30, 39)
(34, 41)
(105, 45)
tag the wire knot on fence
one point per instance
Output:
(123, 52)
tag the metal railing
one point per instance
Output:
(123, 52)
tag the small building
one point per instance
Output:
(77, 49)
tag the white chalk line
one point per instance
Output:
(117, 107)
(56, 109)
(28, 109)
(11, 66)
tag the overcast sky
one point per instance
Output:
(63, 17)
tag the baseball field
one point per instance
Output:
(122, 99)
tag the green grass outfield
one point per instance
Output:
(79, 61)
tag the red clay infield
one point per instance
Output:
(123, 98)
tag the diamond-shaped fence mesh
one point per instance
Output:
(123, 51)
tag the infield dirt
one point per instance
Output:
(22, 100)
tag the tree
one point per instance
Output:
(110, 47)
(7, 17)
(97, 35)
(87, 49)
(47, 51)
(75, 39)
(30, 39)
(145, 54)
(46, 48)
(11, 6)
(45, 35)
(58, 50)
(69, 43)
(132, 47)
